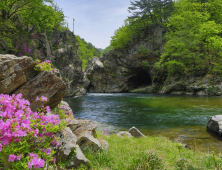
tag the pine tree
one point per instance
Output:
(155, 10)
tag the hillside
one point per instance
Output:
(86, 51)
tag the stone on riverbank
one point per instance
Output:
(124, 133)
(135, 132)
(215, 124)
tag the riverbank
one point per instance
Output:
(149, 153)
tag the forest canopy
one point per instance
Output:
(193, 40)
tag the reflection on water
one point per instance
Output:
(180, 118)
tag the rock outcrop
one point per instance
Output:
(131, 69)
(17, 75)
(215, 124)
(61, 49)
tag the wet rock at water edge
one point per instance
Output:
(215, 124)
(135, 132)
(124, 133)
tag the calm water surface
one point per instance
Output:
(179, 118)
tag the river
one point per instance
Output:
(178, 117)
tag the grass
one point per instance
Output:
(149, 153)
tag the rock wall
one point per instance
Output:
(131, 70)
(61, 49)
(17, 75)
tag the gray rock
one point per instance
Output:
(67, 143)
(86, 142)
(88, 128)
(76, 123)
(135, 132)
(104, 144)
(122, 133)
(78, 159)
(215, 124)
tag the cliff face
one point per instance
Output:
(60, 47)
(127, 69)
(131, 70)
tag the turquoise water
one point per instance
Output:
(179, 118)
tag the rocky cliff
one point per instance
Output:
(60, 48)
(131, 70)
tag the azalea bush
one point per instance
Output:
(43, 66)
(26, 136)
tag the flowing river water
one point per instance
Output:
(180, 118)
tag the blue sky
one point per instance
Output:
(95, 20)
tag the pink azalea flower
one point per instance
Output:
(19, 157)
(54, 159)
(48, 152)
(44, 98)
(37, 98)
(11, 157)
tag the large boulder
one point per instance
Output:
(67, 145)
(87, 129)
(88, 142)
(44, 84)
(67, 141)
(17, 75)
(78, 159)
(76, 123)
(215, 124)
(14, 71)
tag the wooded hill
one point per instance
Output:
(193, 39)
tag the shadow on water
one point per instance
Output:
(179, 118)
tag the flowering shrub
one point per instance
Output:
(62, 111)
(43, 66)
(25, 136)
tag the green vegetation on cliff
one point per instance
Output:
(86, 51)
(193, 39)
(107, 49)
(21, 19)
(149, 153)
(147, 13)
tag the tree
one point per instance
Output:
(20, 18)
(155, 10)
(193, 40)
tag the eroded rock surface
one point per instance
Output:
(44, 84)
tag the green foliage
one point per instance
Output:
(145, 64)
(194, 38)
(156, 11)
(86, 51)
(21, 18)
(107, 49)
(143, 51)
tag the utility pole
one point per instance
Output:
(73, 25)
